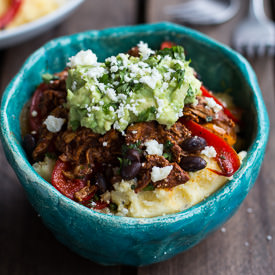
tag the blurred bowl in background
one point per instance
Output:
(26, 31)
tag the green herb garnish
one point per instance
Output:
(168, 156)
(135, 146)
(149, 187)
(176, 52)
(51, 155)
(209, 118)
(113, 207)
(147, 114)
(96, 197)
(106, 107)
(47, 78)
(133, 186)
(168, 145)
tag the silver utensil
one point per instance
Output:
(256, 34)
(203, 12)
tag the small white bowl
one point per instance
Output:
(26, 31)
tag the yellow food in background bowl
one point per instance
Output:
(30, 10)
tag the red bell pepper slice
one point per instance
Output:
(167, 44)
(206, 93)
(7, 17)
(227, 157)
(34, 115)
(62, 184)
(100, 205)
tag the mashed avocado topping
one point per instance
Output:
(125, 89)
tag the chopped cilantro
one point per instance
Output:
(51, 155)
(145, 115)
(168, 145)
(176, 52)
(124, 88)
(168, 156)
(96, 197)
(149, 187)
(209, 118)
(113, 206)
(135, 146)
(105, 79)
(133, 186)
(106, 107)
(47, 78)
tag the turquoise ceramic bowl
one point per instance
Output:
(111, 240)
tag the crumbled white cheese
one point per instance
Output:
(151, 80)
(105, 143)
(153, 147)
(134, 132)
(54, 124)
(211, 103)
(160, 173)
(83, 58)
(242, 155)
(34, 113)
(209, 151)
(144, 50)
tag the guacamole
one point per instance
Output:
(125, 89)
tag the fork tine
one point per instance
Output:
(271, 50)
(261, 50)
(181, 8)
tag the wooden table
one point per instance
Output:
(240, 247)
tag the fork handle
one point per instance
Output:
(256, 9)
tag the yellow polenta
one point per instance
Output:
(160, 202)
(30, 10)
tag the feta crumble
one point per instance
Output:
(153, 147)
(211, 103)
(144, 50)
(160, 173)
(34, 113)
(83, 58)
(54, 124)
(105, 143)
(209, 151)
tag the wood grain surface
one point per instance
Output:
(240, 247)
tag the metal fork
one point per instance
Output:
(203, 12)
(255, 36)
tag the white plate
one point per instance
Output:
(24, 32)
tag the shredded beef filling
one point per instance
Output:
(103, 160)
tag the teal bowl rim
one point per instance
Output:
(20, 162)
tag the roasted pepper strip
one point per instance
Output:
(7, 17)
(227, 157)
(206, 93)
(34, 115)
(65, 186)
(167, 44)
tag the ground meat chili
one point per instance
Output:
(88, 163)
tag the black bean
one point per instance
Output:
(101, 183)
(133, 155)
(108, 172)
(192, 163)
(29, 144)
(193, 144)
(129, 171)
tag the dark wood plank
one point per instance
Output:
(243, 248)
(27, 247)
